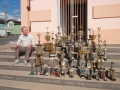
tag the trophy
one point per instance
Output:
(32, 71)
(103, 76)
(105, 57)
(94, 70)
(89, 70)
(57, 73)
(82, 68)
(52, 71)
(62, 72)
(98, 76)
(36, 71)
(39, 53)
(71, 72)
(41, 70)
(111, 77)
(46, 71)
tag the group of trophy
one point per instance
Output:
(67, 56)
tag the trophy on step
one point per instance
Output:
(94, 69)
(89, 70)
(103, 75)
(32, 71)
(71, 75)
(39, 53)
(111, 77)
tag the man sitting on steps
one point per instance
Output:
(25, 44)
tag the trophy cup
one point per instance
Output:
(47, 38)
(111, 77)
(39, 53)
(105, 57)
(32, 71)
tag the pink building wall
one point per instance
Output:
(110, 27)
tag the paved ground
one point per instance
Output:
(6, 40)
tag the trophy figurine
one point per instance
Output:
(32, 71)
(105, 57)
(111, 77)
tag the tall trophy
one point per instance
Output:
(111, 77)
(39, 53)
(94, 69)
(89, 70)
(105, 57)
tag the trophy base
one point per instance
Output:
(42, 73)
(46, 74)
(94, 76)
(88, 77)
(112, 79)
(104, 79)
(32, 73)
(62, 74)
(105, 59)
(97, 78)
(71, 76)
(52, 74)
(82, 76)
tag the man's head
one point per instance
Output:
(24, 30)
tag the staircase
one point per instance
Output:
(17, 77)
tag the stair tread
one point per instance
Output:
(66, 77)
(38, 86)
(29, 65)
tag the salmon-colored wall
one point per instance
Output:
(40, 26)
(102, 11)
(24, 13)
(108, 25)
(40, 15)
(112, 36)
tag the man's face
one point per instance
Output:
(25, 31)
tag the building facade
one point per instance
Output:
(39, 14)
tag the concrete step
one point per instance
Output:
(22, 67)
(21, 85)
(46, 54)
(65, 80)
(9, 58)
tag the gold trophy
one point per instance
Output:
(39, 53)
(111, 77)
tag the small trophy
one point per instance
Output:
(52, 73)
(71, 72)
(46, 71)
(57, 73)
(89, 70)
(111, 77)
(82, 68)
(105, 57)
(36, 71)
(41, 70)
(103, 76)
(32, 71)
(98, 76)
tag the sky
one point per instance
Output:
(13, 9)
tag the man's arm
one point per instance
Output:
(18, 42)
